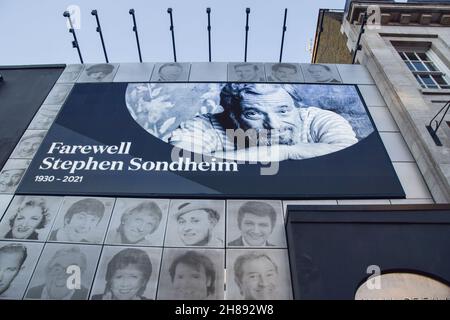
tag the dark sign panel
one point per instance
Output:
(241, 140)
(22, 92)
(369, 252)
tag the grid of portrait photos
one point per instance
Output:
(79, 248)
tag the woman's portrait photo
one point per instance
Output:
(29, 217)
(127, 274)
(138, 222)
(196, 223)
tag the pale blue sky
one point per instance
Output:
(34, 32)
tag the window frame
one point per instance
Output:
(432, 60)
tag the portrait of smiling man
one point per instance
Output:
(196, 223)
(256, 222)
(276, 127)
(261, 274)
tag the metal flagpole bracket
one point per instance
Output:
(99, 30)
(72, 31)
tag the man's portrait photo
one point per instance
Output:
(28, 144)
(138, 222)
(277, 126)
(11, 175)
(58, 94)
(44, 117)
(29, 217)
(196, 223)
(17, 262)
(246, 72)
(64, 272)
(171, 72)
(82, 220)
(70, 73)
(283, 72)
(127, 273)
(102, 72)
(322, 73)
(260, 274)
(255, 223)
(192, 275)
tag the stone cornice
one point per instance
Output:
(403, 14)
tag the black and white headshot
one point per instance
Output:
(134, 72)
(139, 222)
(102, 72)
(280, 121)
(171, 71)
(29, 217)
(11, 175)
(255, 223)
(196, 223)
(192, 275)
(322, 73)
(58, 94)
(283, 72)
(17, 262)
(246, 72)
(259, 274)
(70, 73)
(278, 126)
(44, 117)
(28, 144)
(82, 220)
(64, 272)
(127, 273)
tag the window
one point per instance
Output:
(427, 71)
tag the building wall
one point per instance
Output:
(411, 106)
(332, 48)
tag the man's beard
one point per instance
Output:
(271, 137)
(282, 136)
(286, 135)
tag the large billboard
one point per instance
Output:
(217, 140)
